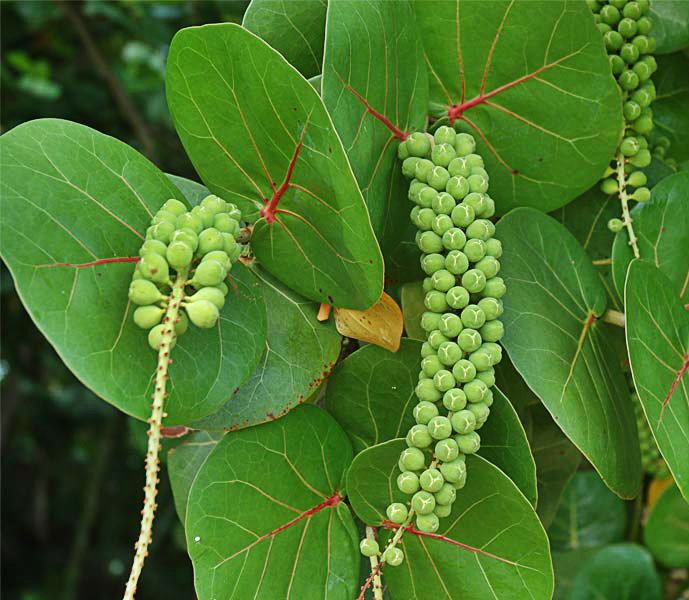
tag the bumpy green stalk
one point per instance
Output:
(375, 569)
(624, 202)
(172, 315)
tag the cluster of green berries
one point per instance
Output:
(625, 26)
(652, 462)
(463, 292)
(202, 244)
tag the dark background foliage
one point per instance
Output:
(72, 466)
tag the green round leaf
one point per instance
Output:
(412, 297)
(256, 130)
(589, 515)
(667, 530)
(670, 20)
(658, 343)
(265, 517)
(522, 82)
(619, 572)
(662, 226)
(299, 353)
(73, 195)
(373, 50)
(492, 544)
(554, 296)
(295, 29)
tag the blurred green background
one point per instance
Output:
(72, 466)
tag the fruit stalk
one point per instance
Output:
(152, 461)
(624, 201)
(375, 570)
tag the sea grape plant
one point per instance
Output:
(306, 449)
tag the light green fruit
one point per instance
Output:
(209, 240)
(418, 437)
(463, 421)
(465, 144)
(480, 411)
(430, 320)
(441, 225)
(443, 381)
(487, 376)
(174, 206)
(208, 272)
(489, 265)
(442, 154)
(188, 236)
(423, 502)
(153, 247)
(211, 294)
(447, 494)
(475, 390)
(439, 427)
(449, 353)
(453, 471)
(409, 167)
(232, 248)
(428, 523)
(456, 262)
(491, 307)
(214, 204)
(163, 232)
(425, 390)
(454, 238)
(397, 512)
(450, 325)
(408, 482)
(163, 216)
(438, 177)
(469, 340)
(494, 288)
(492, 331)
(393, 556)
(190, 221)
(155, 336)
(431, 480)
(472, 316)
(459, 167)
(203, 313)
(148, 316)
(179, 255)
(402, 151)
(446, 450)
(205, 214)
(454, 399)
(155, 268)
(445, 135)
(182, 323)
(457, 297)
(443, 203)
(468, 443)
(418, 144)
(442, 510)
(475, 249)
(225, 223)
(369, 547)
(463, 214)
(424, 412)
(219, 256)
(143, 292)
(481, 359)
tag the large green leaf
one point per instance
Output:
(589, 515)
(670, 25)
(374, 62)
(256, 130)
(557, 460)
(371, 394)
(667, 529)
(507, 555)
(73, 195)
(554, 340)
(183, 464)
(299, 353)
(412, 297)
(658, 342)
(662, 226)
(617, 572)
(671, 106)
(295, 29)
(587, 218)
(265, 517)
(531, 81)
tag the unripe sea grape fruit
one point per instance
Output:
(369, 547)
(442, 154)
(445, 135)
(182, 323)
(446, 450)
(424, 412)
(179, 255)
(475, 250)
(220, 256)
(456, 262)
(423, 169)
(419, 437)
(453, 238)
(453, 471)
(148, 316)
(163, 232)
(143, 292)
(463, 214)
(203, 313)
(459, 167)
(425, 390)
(443, 381)
(214, 204)
(443, 203)
(449, 353)
(430, 320)
(431, 480)
(187, 220)
(439, 427)
(475, 390)
(186, 235)
(446, 494)
(450, 325)
(210, 294)
(435, 301)
(492, 331)
(465, 144)
(153, 247)
(409, 166)
(454, 399)
(469, 340)
(418, 144)
(468, 443)
(489, 265)
(442, 510)
(393, 556)
(155, 268)
(174, 206)
(397, 512)
(428, 523)
(205, 214)
(487, 376)
(423, 502)
(209, 272)
(480, 411)
(495, 288)
(155, 336)
(457, 297)
(438, 178)
(464, 371)
(162, 215)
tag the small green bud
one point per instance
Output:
(464, 371)
(430, 242)
(397, 512)
(190, 221)
(425, 218)
(393, 556)
(481, 359)
(454, 399)
(209, 240)
(643, 26)
(469, 340)
(446, 450)
(642, 159)
(491, 307)
(430, 321)
(408, 482)
(423, 169)
(480, 411)
(609, 186)
(369, 547)
(610, 14)
(179, 255)
(641, 42)
(148, 316)
(443, 381)
(627, 28)
(214, 204)
(423, 502)
(205, 214)
(615, 225)
(435, 338)
(202, 313)
(418, 144)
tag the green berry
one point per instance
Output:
(615, 225)
(179, 255)
(494, 248)
(435, 301)
(463, 371)
(393, 556)
(442, 510)
(481, 229)
(438, 178)
(463, 215)
(210, 240)
(182, 323)
(445, 135)
(426, 350)
(409, 166)
(475, 390)
(642, 70)
(447, 494)
(449, 325)
(424, 412)
(174, 206)
(627, 27)
(189, 221)
(642, 43)
(643, 125)
(225, 224)
(155, 268)
(455, 470)
(449, 353)
(442, 154)
(463, 421)
(153, 247)
(155, 336)
(143, 292)
(468, 443)
(446, 450)
(628, 80)
(432, 262)
(481, 359)
(495, 288)
(475, 249)
(472, 316)
(431, 480)
(494, 350)
(418, 144)
(148, 316)
(397, 512)
(430, 321)
(435, 338)
(459, 167)
(610, 15)
(427, 523)
(489, 266)
(412, 459)
(487, 376)
(491, 307)
(477, 201)
(211, 294)
(188, 236)
(408, 482)
(162, 231)
(425, 390)
(631, 10)
(402, 150)
(440, 427)
(603, 27)
(478, 183)
(465, 144)
(219, 256)
(430, 365)
(454, 399)
(423, 169)
(208, 272)
(163, 216)
(369, 547)
(629, 146)
(642, 194)
(457, 187)
(631, 110)
(423, 502)
(457, 297)
(202, 313)
(456, 262)
(443, 203)
(419, 437)
(492, 331)
(613, 41)
(609, 186)
(441, 225)
(205, 214)
(443, 381)
(474, 281)
(469, 340)
(443, 280)
(644, 26)
(642, 159)
(430, 242)
(480, 411)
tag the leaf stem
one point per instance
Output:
(624, 201)
(152, 461)
(614, 317)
